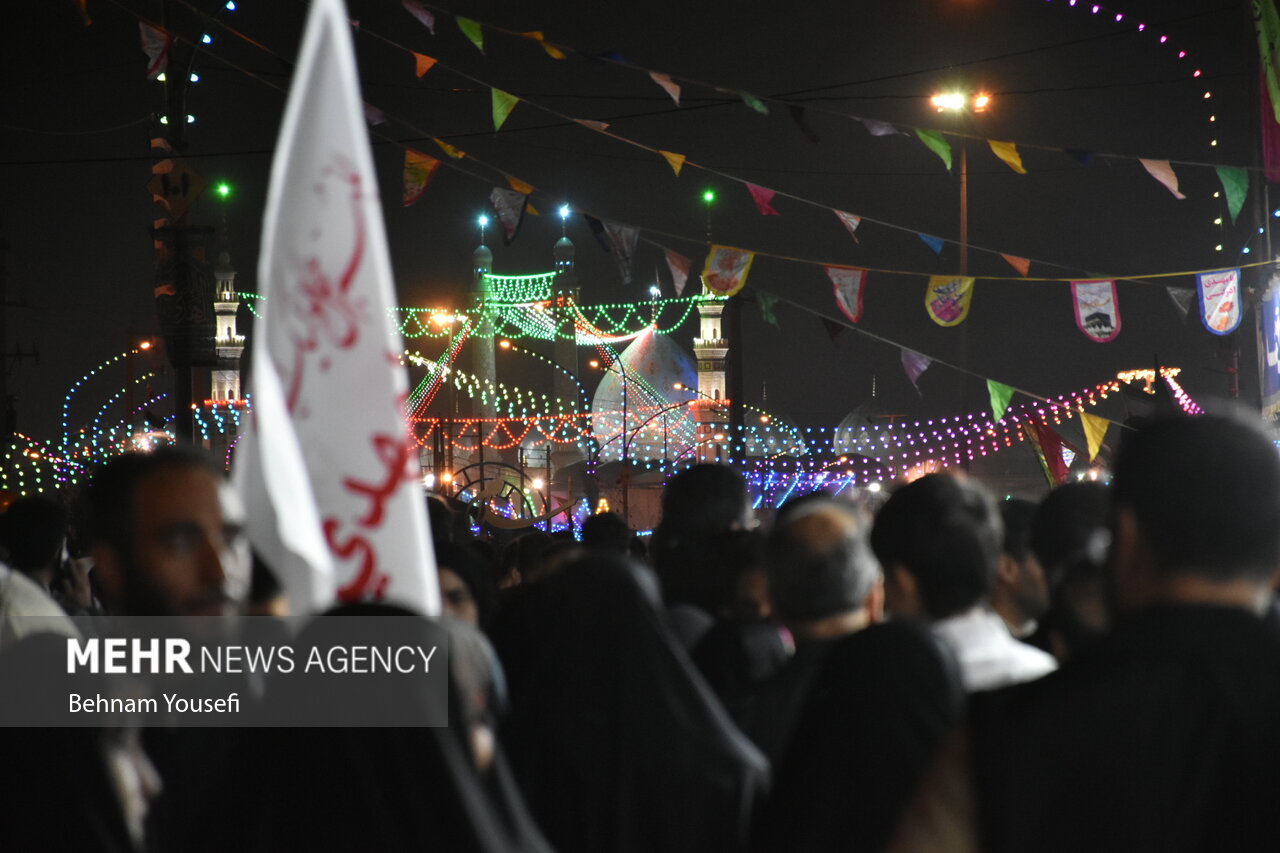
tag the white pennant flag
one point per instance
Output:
(337, 409)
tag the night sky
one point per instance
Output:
(78, 116)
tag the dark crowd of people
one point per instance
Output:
(928, 671)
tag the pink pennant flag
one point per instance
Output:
(914, 364)
(157, 45)
(763, 197)
(1022, 265)
(849, 221)
(848, 283)
(328, 470)
(1163, 172)
(679, 266)
(424, 16)
(879, 128)
(672, 87)
(373, 115)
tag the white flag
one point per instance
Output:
(328, 337)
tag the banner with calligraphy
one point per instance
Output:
(1269, 350)
(327, 335)
(1219, 294)
(1097, 309)
(726, 270)
(847, 283)
(948, 297)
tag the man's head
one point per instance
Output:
(607, 533)
(938, 540)
(1196, 511)
(166, 536)
(707, 499)
(1070, 524)
(1020, 594)
(34, 532)
(821, 570)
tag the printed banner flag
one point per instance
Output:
(1095, 430)
(847, 283)
(671, 87)
(1219, 294)
(849, 221)
(679, 266)
(1097, 309)
(1008, 153)
(508, 206)
(157, 45)
(1269, 350)
(947, 298)
(763, 197)
(418, 169)
(914, 364)
(1163, 172)
(726, 270)
(328, 464)
(1000, 395)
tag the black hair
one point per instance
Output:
(1066, 522)
(1016, 515)
(33, 530)
(607, 533)
(704, 497)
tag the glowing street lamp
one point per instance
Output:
(959, 102)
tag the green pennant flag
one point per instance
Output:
(1235, 183)
(471, 29)
(503, 104)
(754, 102)
(767, 302)
(1000, 396)
(937, 143)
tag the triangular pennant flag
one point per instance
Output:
(623, 239)
(530, 209)
(768, 302)
(1182, 299)
(508, 206)
(373, 115)
(1047, 445)
(597, 231)
(552, 51)
(1085, 157)
(672, 87)
(1022, 265)
(595, 125)
(520, 186)
(423, 63)
(157, 45)
(937, 143)
(471, 29)
(503, 104)
(879, 128)
(726, 270)
(328, 464)
(754, 102)
(425, 17)
(1235, 183)
(762, 197)
(449, 150)
(1095, 429)
(418, 169)
(797, 115)
(932, 242)
(675, 161)
(849, 221)
(833, 329)
(914, 364)
(1219, 294)
(847, 283)
(1163, 172)
(947, 298)
(1097, 309)
(679, 266)
(1008, 152)
(1000, 395)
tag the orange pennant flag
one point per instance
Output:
(1022, 265)
(593, 124)
(519, 185)
(449, 149)
(675, 161)
(424, 63)
(1008, 152)
(552, 51)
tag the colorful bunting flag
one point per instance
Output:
(1008, 152)
(679, 266)
(472, 30)
(947, 298)
(937, 143)
(1047, 445)
(503, 104)
(423, 63)
(754, 102)
(671, 86)
(849, 221)
(418, 169)
(328, 472)
(675, 161)
(373, 115)
(1219, 294)
(796, 112)
(622, 239)
(424, 16)
(1000, 395)
(552, 51)
(932, 242)
(763, 197)
(449, 150)
(1270, 127)
(832, 328)
(1267, 22)
(597, 231)
(519, 186)
(879, 128)
(768, 302)
(1022, 265)
(1163, 172)
(847, 283)
(1235, 184)
(508, 206)
(598, 126)
(1097, 309)
(726, 270)
(157, 45)
(1095, 430)
(914, 364)
(1182, 299)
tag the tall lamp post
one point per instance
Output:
(957, 102)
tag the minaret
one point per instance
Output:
(229, 345)
(710, 349)
(564, 296)
(482, 345)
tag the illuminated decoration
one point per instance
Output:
(602, 505)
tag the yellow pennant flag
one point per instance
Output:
(552, 51)
(948, 297)
(423, 62)
(455, 153)
(503, 104)
(676, 161)
(1095, 429)
(1008, 152)
(519, 185)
